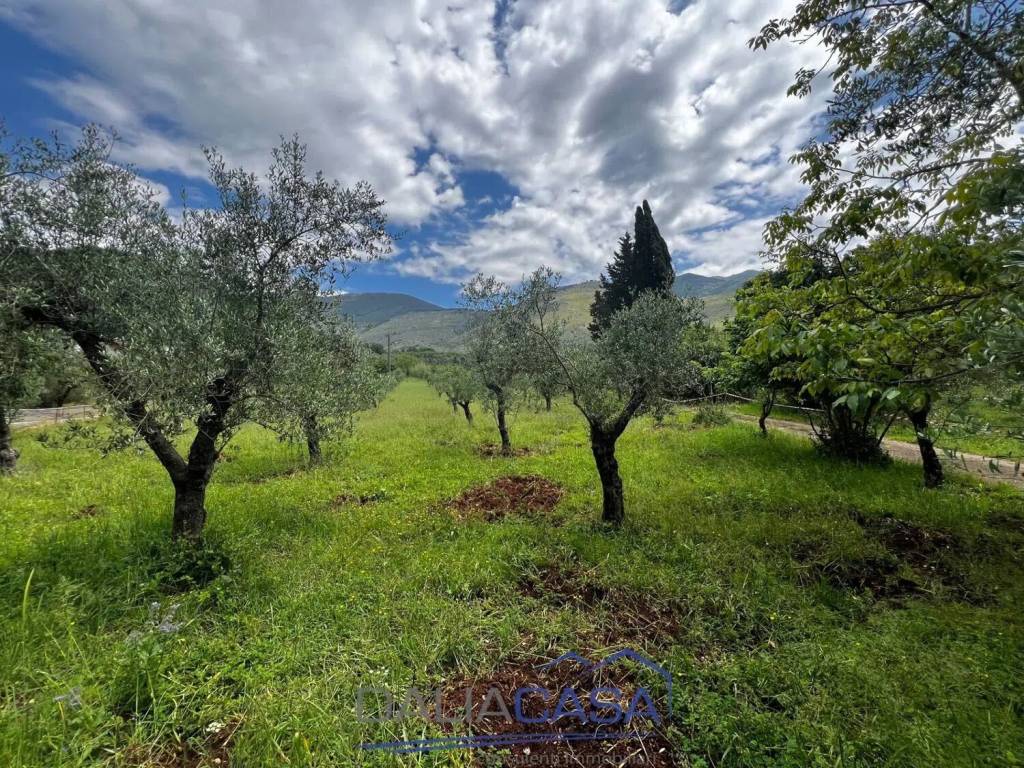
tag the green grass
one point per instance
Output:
(770, 667)
(991, 442)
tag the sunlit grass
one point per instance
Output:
(770, 669)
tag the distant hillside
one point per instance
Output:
(690, 284)
(718, 294)
(413, 322)
(370, 309)
(440, 329)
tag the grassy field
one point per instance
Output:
(811, 613)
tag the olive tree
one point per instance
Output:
(184, 326)
(459, 385)
(327, 376)
(644, 353)
(23, 358)
(501, 351)
(548, 384)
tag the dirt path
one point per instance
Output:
(977, 466)
(37, 417)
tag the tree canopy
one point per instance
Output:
(182, 324)
(642, 263)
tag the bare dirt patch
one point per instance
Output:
(877, 574)
(931, 554)
(90, 510)
(523, 494)
(357, 499)
(914, 559)
(213, 752)
(491, 451)
(632, 617)
(568, 741)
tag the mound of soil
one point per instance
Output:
(527, 494)
(931, 554)
(918, 546)
(633, 618)
(566, 740)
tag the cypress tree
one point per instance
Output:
(642, 263)
(612, 293)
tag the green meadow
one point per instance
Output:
(812, 613)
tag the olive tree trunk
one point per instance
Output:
(190, 476)
(500, 403)
(8, 456)
(189, 509)
(312, 430)
(465, 410)
(602, 443)
(506, 442)
(547, 402)
(933, 475)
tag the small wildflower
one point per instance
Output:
(72, 698)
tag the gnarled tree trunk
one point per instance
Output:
(933, 475)
(312, 430)
(189, 508)
(506, 442)
(766, 408)
(547, 402)
(500, 411)
(190, 476)
(602, 443)
(465, 410)
(8, 456)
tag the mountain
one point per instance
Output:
(440, 329)
(691, 284)
(412, 322)
(718, 292)
(367, 310)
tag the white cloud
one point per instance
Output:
(585, 106)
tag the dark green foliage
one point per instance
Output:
(642, 263)
(179, 566)
(711, 414)
(653, 262)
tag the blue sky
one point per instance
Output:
(502, 135)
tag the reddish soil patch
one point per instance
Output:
(633, 618)
(490, 451)
(566, 743)
(91, 510)
(215, 751)
(529, 494)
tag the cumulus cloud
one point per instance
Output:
(584, 106)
